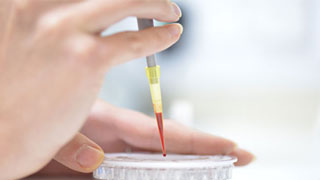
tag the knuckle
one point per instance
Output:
(136, 43)
(53, 22)
(82, 48)
(50, 23)
(160, 36)
(82, 52)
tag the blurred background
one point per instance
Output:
(248, 70)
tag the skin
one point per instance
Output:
(52, 63)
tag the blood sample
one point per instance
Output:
(160, 126)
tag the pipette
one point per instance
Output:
(153, 74)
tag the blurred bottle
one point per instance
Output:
(182, 111)
(316, 133)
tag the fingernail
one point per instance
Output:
(176, 29)
(254, 158)
(176, 9)
(89, 157)
(232, 148)
(236, 146)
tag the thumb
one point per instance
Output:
(80, 154)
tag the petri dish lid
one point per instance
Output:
(172, 161)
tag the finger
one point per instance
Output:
(80, 154)
(244, 157)
(97, 15)
(181, 139)
(143, 133)
(125, 46)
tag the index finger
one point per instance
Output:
(96, 15)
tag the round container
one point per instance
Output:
(141, 166)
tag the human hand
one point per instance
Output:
(52, 63)
(119, 130)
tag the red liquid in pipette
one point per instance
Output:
(160, 126)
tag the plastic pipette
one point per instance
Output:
(153, 74)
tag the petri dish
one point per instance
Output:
(144, 166)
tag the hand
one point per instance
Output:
(52, 63)
(119, 130)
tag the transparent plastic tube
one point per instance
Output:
(142, 166)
